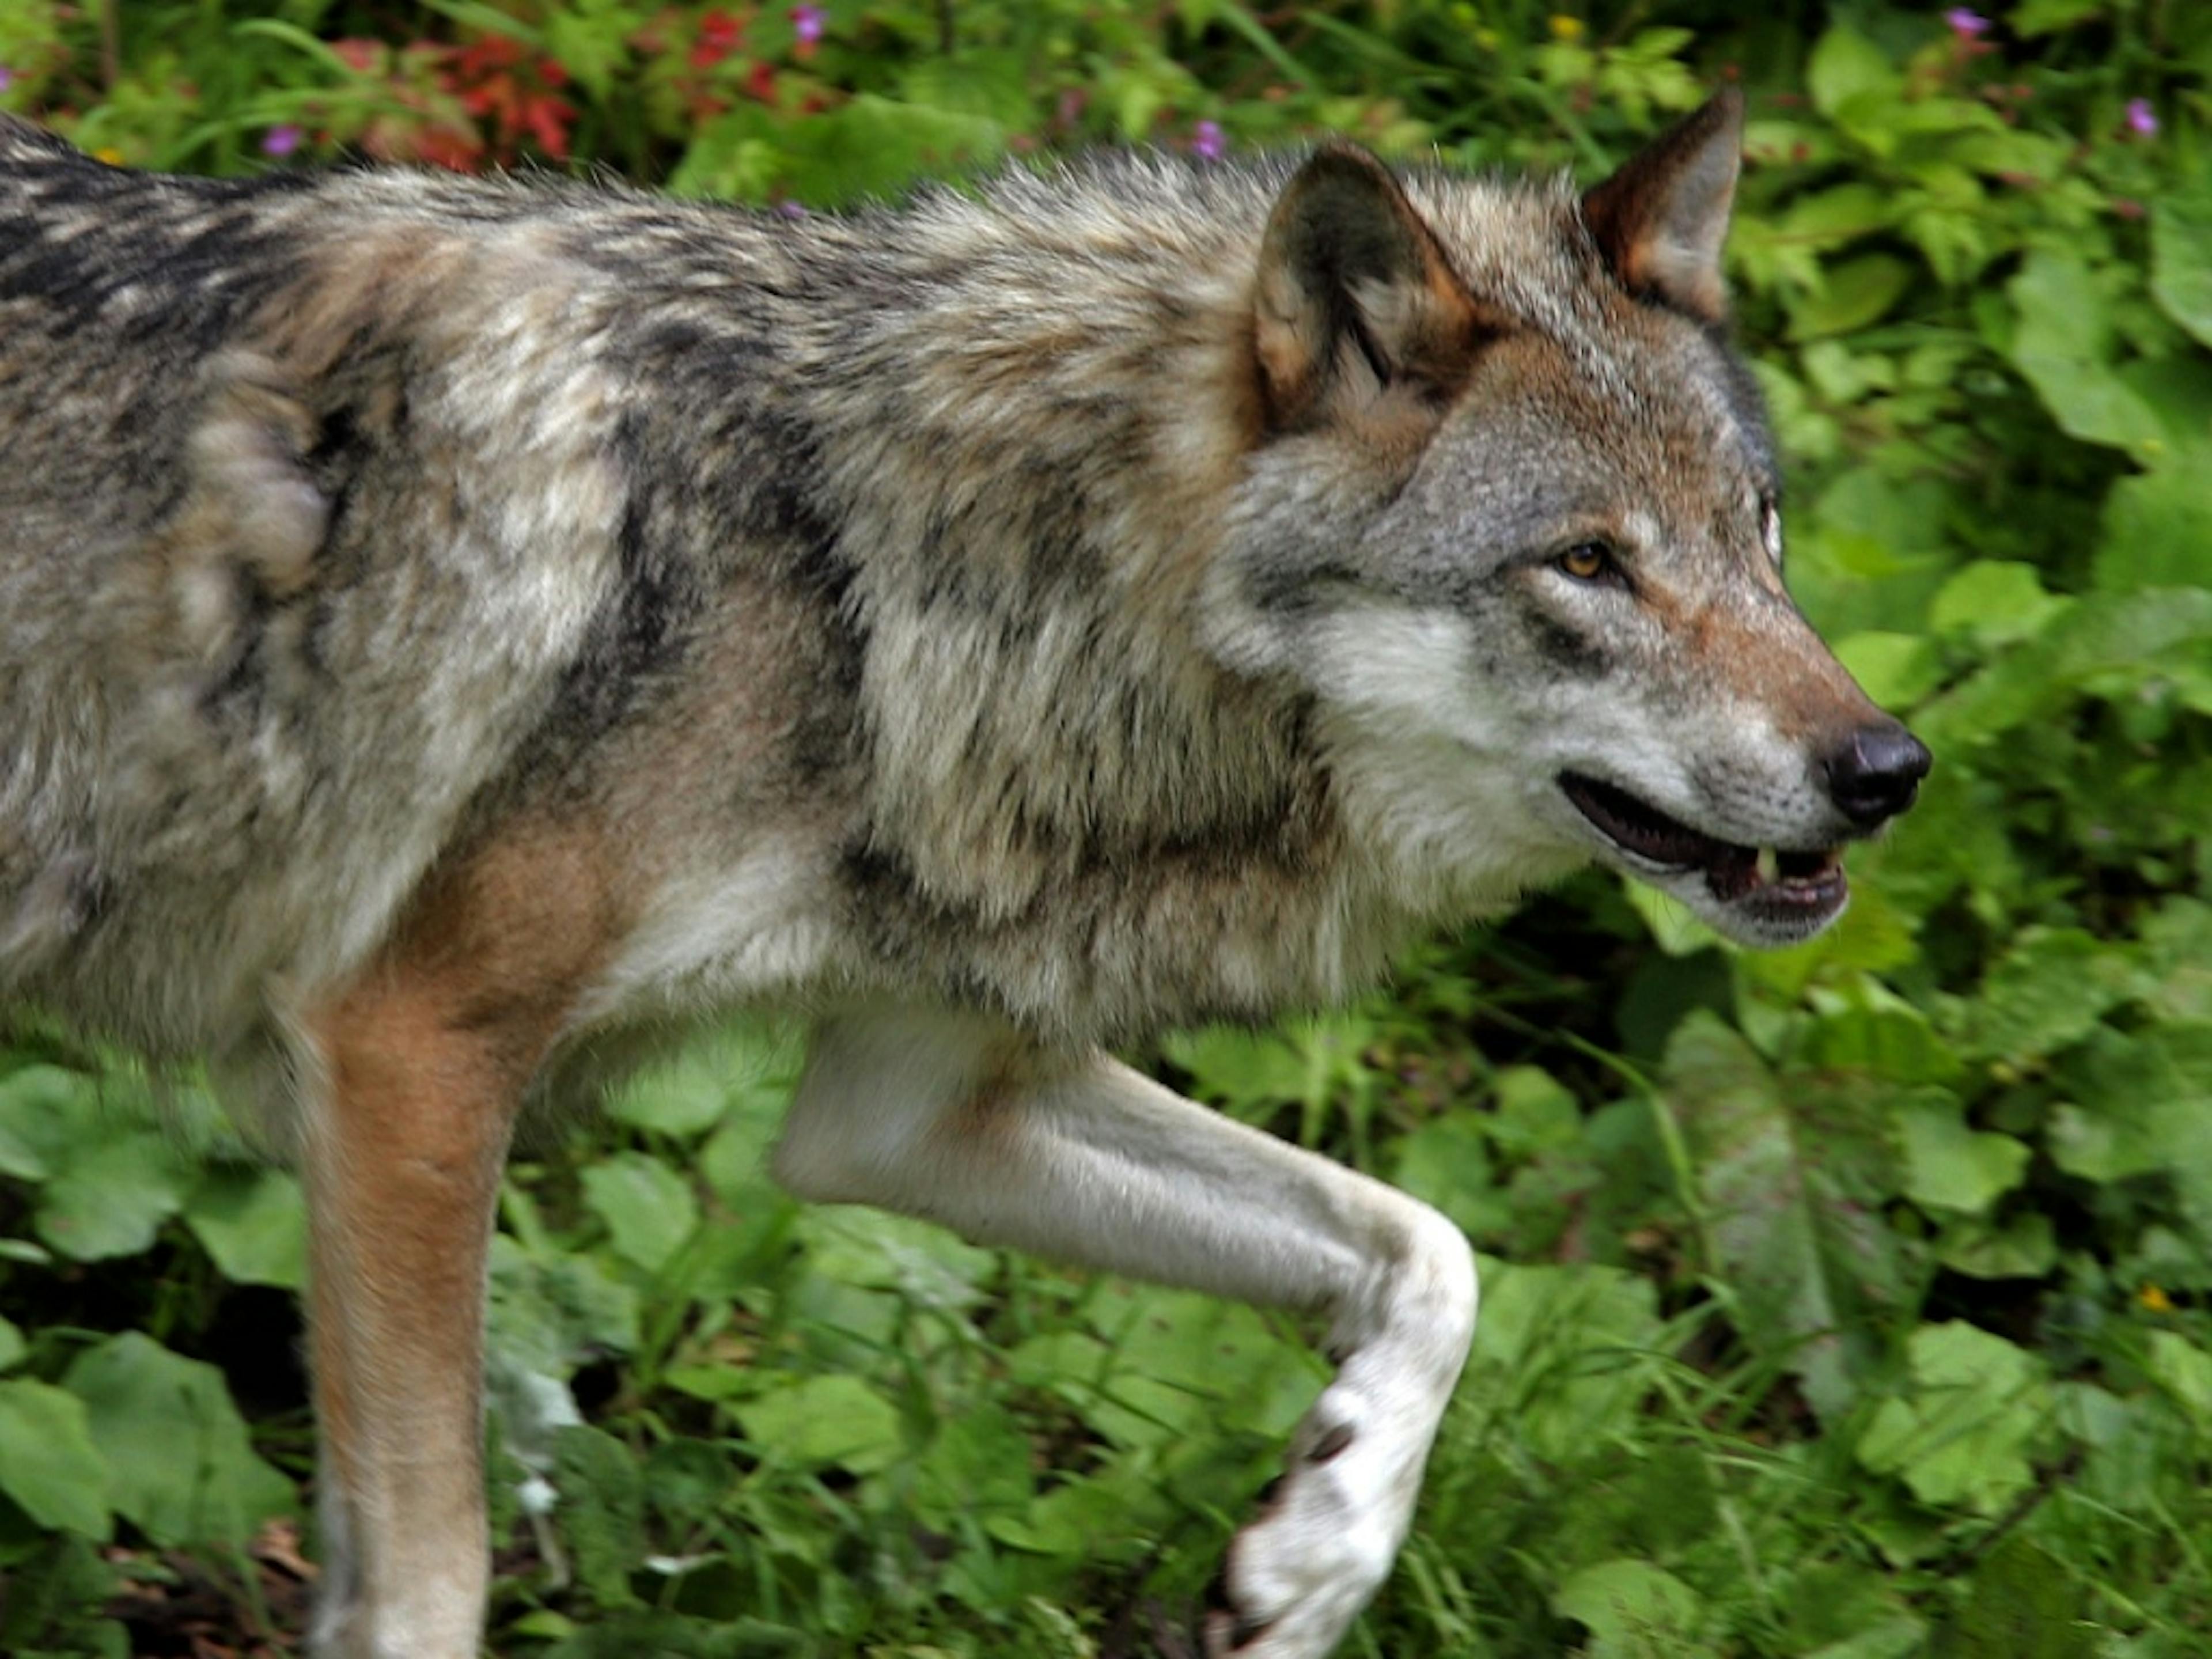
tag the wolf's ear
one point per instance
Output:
(1354, 295)
(1661, 220)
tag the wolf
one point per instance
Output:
(452, 631)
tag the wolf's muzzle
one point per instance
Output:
(1876, 773)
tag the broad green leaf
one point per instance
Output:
(647, 1207)
(2033, 17)
(1794, 1244)
(12, 1345)
(2175, 961)
(113, 1196)
(2185, 1371)
(1851, 295)
(49, 1463)
(253, 1223)
(1896, 669)
(181, 1467)
(1069, 1521)
(978, 1463)
(684, 1097)
(1846, 65)
(1632, 1608)
(44, 1112)
(2064, 346)
(1829, 218)
(1950, 1166)
(2158, 526)
(2048, 991)
(1894, 1043)
(1959, 1434)
(925, 1265)
(823, 1419)
(1995, 602)
(2025, 1247)
(2181, 258)
(1445, 1162)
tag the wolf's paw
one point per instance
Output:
(1329, 1528)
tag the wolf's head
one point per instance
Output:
(1513, 524)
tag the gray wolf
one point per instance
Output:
(450, 624)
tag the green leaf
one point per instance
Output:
(1994, 602)
(2181, 258)
(1845, 65)
(48, 1463)
(2033, 17)
(1896, 669)
(2185, 1371)
(1948, 1166)
(924, 1263)
(978, 1464)
(2064, 346)
(12, 1345)
(1632, 1608)
(254, 1224)
(43, 1111)
(1445, 1162)
(1959, 1434)
(647, 1207)
(823, 1419)
(181, 1465)
(1852, 294)
(2025, 1247)
(2158, 526)
(2049, 990)
(1788, 1232)
(113, 1196)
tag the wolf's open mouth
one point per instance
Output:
(1811, 883)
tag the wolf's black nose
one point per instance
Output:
(1875, 775)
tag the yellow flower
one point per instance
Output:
(1565, 28)
(108, 154)
(2155, 1299)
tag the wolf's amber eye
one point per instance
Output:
(1587, 562)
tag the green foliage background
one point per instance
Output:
(1849, 1302)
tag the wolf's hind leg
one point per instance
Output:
(1084, 1160)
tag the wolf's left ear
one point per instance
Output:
(1661, 220)
(1354, 295)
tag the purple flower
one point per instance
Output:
(808, 21)
(791, 209)
(281, 141)
(1208, 140)
(1966, 23)
(6, 77)
(2141, 120)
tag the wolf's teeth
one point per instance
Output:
(1770, 864)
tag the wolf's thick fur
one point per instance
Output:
(447, 624)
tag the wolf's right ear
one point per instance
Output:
(1661, 220)
(1354, 295)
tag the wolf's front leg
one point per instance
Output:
(958, 1119)
(402, 1136)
